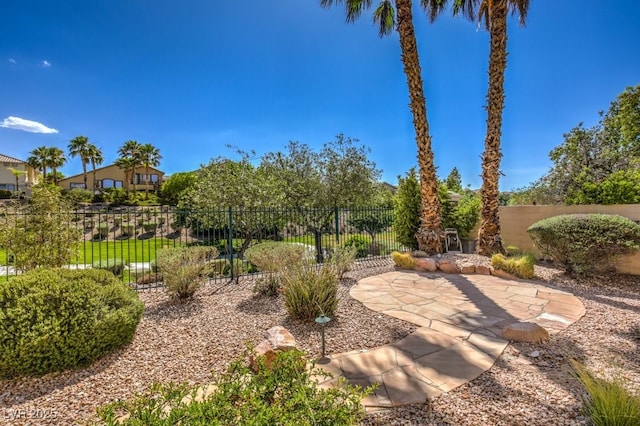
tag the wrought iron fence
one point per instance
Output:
(125, 240)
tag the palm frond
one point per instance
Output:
(466, 8)
(521, 7)
(385, 17)
(433, 8)
(355, 8)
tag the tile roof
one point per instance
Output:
(7, 159)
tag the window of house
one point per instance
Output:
(74, 185)
(8, 186)
(107, 183)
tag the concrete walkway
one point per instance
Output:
(461, 318)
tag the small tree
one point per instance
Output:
(454, 180)
(175, 186)
(407, 210)
(40, 234)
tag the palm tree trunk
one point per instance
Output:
(489, 238)
(95, 184)
(84, 173)
(146, 183)
(430, 234)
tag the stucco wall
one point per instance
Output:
(515, 220)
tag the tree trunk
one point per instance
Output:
(95, 184)
(317, 236)
(430, 234)
(146, 183)
(489, 239)
(84, 173)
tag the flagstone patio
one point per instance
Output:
(461, 318)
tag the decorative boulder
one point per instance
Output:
(482, 270)
(448, 267)
(525, 332)
(467, 268)
(426, 264)
(503, 274)
(279, 339)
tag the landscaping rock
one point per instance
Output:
(426, 264)
(279, 339)
(482, 270)
(448, 267)
(502, 274)
(467, 268)
(525, 332)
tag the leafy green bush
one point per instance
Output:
(272, 256)
(585, 243)
(103, 230)
(128, 230)
(310, 290)
(342, 258)
(115, 265)
(522, 266)
(403, 260)
(5, 194)
(41, 234)
(54, 319)
(609, 402)
(79, 195)
(286, 394)
(184, 269)
(406, 210)
(149, 226)
(360, 243)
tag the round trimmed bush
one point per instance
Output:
(585, 243)
(360, 243)
(55, 319)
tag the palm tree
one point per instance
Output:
(493, 13)
(430, 235)
(94, 155)
(79, 147)
(17, 173)
(131, 150)
(127, 164)
(55, 159)
(150, 157)
(38, 160)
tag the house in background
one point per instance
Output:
(10, 168)
(114, 177)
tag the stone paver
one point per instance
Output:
(461, 319)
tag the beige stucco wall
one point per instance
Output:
(109, 172)
(25, 181)
(515, 220)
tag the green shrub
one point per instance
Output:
(149, 226)
(285, 394)
(360, 243)
(239, 268)
(41, 234)
(403, 260)
(522, 266)
(184, 269)
(273, 256)
(54, 319)
(116, 266)
(512, 250)
(342, 258)
(609, 402)
(128, 230)
(310, 290)
(103, 230)
(267, 285)
(406, 210)
(79, 195)
(5, 194)
(117, 221)
(585, 243)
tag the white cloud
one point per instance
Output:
(12, 61)
(18, 123)
(46, 64)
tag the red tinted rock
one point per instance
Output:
(426, 264)
(525, 332)
(448, 267)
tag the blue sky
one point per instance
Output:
(193, 76)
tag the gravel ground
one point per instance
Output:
(190, 341)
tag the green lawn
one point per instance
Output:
(131, 250)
